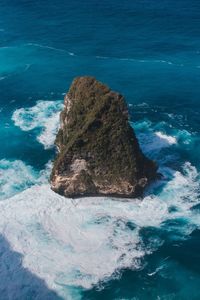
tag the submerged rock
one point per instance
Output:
(98, 151)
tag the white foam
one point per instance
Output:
(14, 177)
(154, 142)
(182, 188)
(170, 139)
(154, 138)
(78, 243)
(66, 242)
(44, 115)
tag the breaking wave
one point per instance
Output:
(16, 176)
(43, 116)
(84, 242)
(154, 138)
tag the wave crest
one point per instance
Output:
(44, 116)
(15, 176)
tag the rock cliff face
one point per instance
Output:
(98, 151)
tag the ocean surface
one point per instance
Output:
(100, 248)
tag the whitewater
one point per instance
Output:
(73, 245)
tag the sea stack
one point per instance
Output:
(99, 153)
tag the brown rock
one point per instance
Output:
(98, 151)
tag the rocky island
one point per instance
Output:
(99, 153)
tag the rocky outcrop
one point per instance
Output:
(98, 151)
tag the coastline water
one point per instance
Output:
(100, 248)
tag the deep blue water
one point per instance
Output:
(149, 51)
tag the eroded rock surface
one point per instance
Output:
(98, 151)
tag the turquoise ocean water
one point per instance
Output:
(100, 248)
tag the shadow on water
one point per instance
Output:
(17, 283)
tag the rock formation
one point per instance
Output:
(98, 151)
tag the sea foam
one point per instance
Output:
(43, 116)
(82, 242)
(15, 176)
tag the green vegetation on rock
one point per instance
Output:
(95, 129)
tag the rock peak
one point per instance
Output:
(98, 151)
